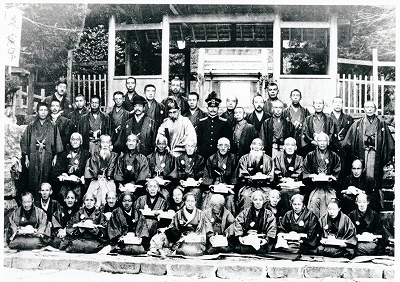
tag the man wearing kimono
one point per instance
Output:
(132, 166)
(314, 124)
(342, 122)
(221, 168)
(250, 166)
(288, 167)
(175, 89)
(258, 116)
(140, 125)
(195, 113)
(68, 172)
(275, 130)
(130, 84)
(118, 117)
(273, 91)
(76, 115)
(62, 123)
(191, 165)
(243, 134)
(296, 114)
(93, 125)
(229, 114)
(367, 221)
(40, 142)
(61, 96)
(176, 128)
(324, 163)
(370, 140)
(154, 109)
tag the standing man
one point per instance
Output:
(130, 84)
(93, 125)
(296, 114)
(273, 92)
(176, 128)
(141, 126)
(194, 114)
(79, 111)
(154, 109)
(275, 130)
(60, 95)
(40, 142)
(211, 128)
(258, 116)
(370, 140)
(243, 134)
(175, 91)
(118, 117)
(342, 123)
(62, 123)
(315, 124)
(231, 103)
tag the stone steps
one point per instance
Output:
(235, 267)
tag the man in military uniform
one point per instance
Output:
(211, 128)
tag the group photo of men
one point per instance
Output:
(168, 177)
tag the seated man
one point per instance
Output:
(320, 172)
(191, 169)
(369, 228)
(163, 166)
(110, 205)
(29, 227)
(68, 172)
(288, 168)
(221, 169)
(274, 204)
(255, 173)
(132, 167)
(221, 220)
(100, 170)
(356, 183)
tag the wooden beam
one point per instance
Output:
(215, 18)
(305, 25)
(277, 47)
(148, 26)
(165, 56)
(333, 53)
(111, 60)
(354, 62)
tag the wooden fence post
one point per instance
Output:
(31, 92)
(375, 75)
(69, 75)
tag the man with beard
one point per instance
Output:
(68, 172)
(175, 92)
(255, 173)
(221, 168)
(369, 139)
(40, 143)
(154, 109)
(288, 167)
(258, 116)
(296, 114)
(211, 128)
(315, 124)
(93, 125)
(118, 117)
(342, 122)
(358, 183)
(243, 134)
(231, 103)
(194, 114)
(176, 128)
(62, 123)
(191, 167)
(100, 170)
(130, 84)
(273, 92)
(163, 166)
(61, 96)
(79, 111)
(320, 172)
(140, 125)
(132, 166)
(275, 130)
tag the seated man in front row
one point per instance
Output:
(288, 170)
(255, 172)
